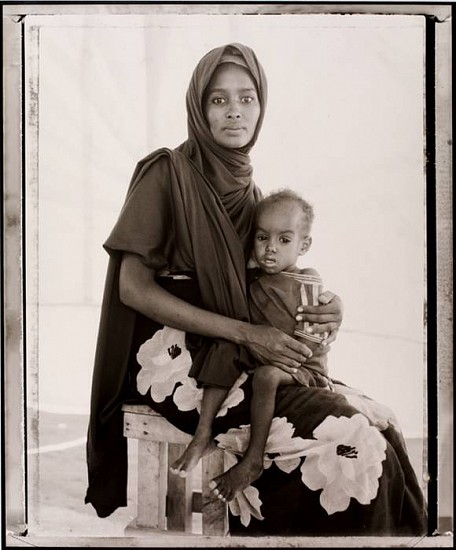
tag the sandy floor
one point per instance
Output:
(59, 483)
(60, 488)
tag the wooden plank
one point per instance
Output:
(215, 511)
(139, 409)
(153, 428)
(180, 497)
(152, 484)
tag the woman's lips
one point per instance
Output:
(233, 129)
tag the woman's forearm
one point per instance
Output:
(140, 291)
(269, 345)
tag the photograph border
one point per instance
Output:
(439, 220)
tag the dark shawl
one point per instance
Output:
(188, 208)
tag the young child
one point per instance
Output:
(283, 222)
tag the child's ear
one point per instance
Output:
(305, 245)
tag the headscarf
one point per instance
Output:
(236, 160)
(229, 170)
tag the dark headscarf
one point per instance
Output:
(229, 170)
(212, 195)
(236, 161)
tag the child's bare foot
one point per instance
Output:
(236, 479)
(198, 447)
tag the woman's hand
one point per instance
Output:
(271, 346)
(328, 315)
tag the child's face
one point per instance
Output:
(231, 106)
(280, 238)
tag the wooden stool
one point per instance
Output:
(166, 501)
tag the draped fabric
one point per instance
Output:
(228, 170)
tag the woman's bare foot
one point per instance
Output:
(236, 479)
(198, 447)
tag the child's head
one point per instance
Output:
(283, 221)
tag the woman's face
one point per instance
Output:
(231, 106)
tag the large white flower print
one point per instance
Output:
(165, 361)
(281, 448)
(189, 396)
(235, 395)
(345, 460)
(380, 415)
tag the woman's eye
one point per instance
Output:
(218, 100)
(247, 99)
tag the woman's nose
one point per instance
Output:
(233, 112)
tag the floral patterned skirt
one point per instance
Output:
(335, 462)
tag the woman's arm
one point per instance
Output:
(139, 290)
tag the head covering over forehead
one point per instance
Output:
(212, 157)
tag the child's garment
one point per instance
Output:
(274, 300)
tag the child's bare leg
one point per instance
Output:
(266, 380)
(202, 442)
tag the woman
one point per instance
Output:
(175, 299)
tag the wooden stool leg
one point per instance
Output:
(179, 502)
(215, 511)
(152, 482)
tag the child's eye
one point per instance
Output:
(261, 237)
(247, 99)
(218, 100)
(285, 240)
